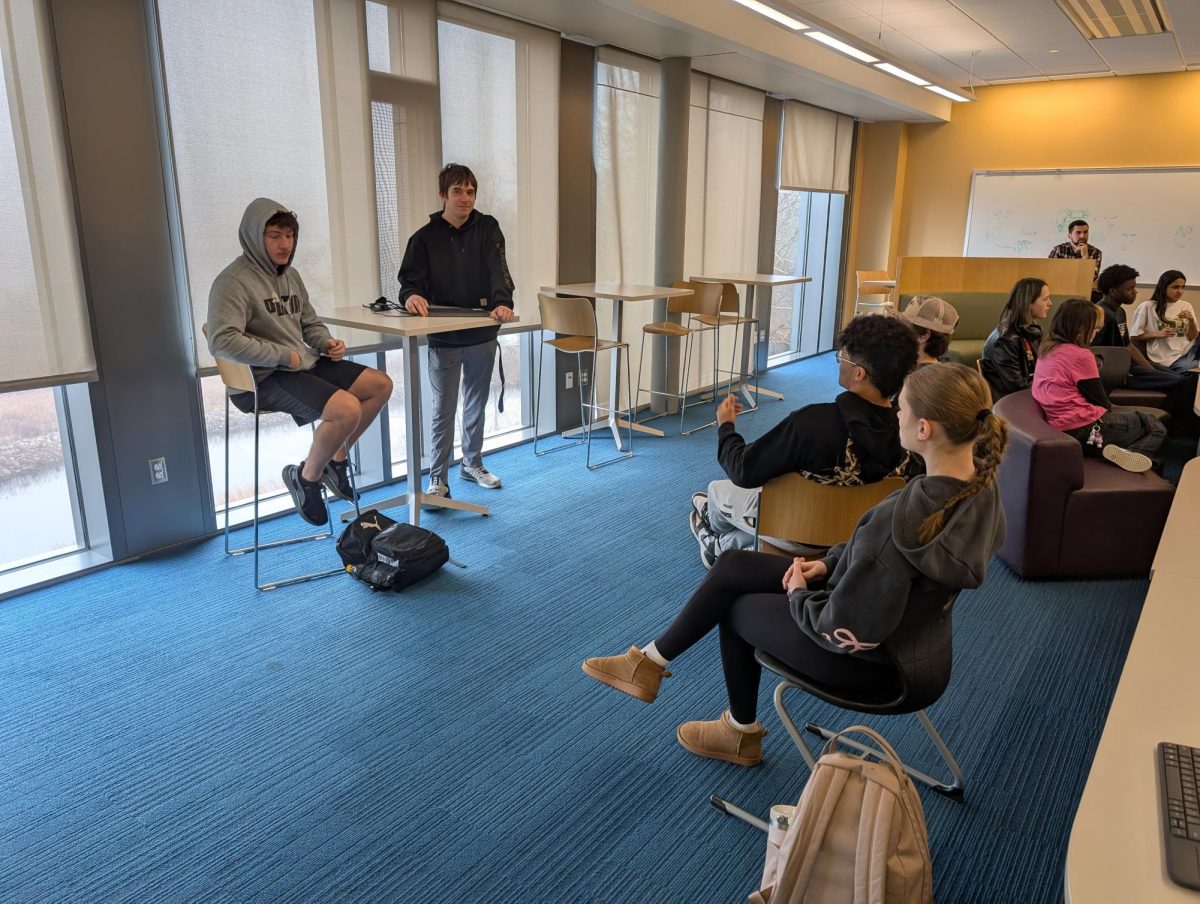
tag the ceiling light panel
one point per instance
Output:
(900, 73)
(773, 14)
(841, 46)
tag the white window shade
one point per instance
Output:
(43, 310)
(816, 149)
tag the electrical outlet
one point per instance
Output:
(158, 470)
(570, 379)
(583, 378)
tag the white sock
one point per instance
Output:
(752, 727)
(653, 655)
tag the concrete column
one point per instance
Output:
(674, 114)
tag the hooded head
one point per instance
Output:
(273, 255)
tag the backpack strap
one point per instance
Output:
(888, 753)
(808, 829)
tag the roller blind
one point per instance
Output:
(816, 149)
(43, 311)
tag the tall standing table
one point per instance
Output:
(752, 281)
(618, 293)
(410, 330)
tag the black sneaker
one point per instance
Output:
(336, 477)
(310, 503)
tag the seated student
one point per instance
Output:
(851, 440)
(1011, 349)
(259, 314)
(933, 321)
(1067, 386)
(1118, 287)
(831, 618)
(1167, 324)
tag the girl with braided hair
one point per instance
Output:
(830, 618)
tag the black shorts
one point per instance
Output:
(301, 393)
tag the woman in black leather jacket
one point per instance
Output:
(1011, 350)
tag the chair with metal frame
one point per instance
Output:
(704, 302)
(816, 514)
(239, 378)
(886, 291)
(730, 314)
(573, 319)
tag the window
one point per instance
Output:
(808, 242)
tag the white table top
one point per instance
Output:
(622, 291)
(397, 324)
(889, 283)
(1116, 848)
(753, 279)
(1178, 548)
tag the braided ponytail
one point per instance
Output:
(959, 399)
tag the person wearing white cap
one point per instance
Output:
(933, 320)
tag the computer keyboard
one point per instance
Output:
(1179, 768)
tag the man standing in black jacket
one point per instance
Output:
(854, 439)
(457, 259)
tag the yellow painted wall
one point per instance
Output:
(1145, 120)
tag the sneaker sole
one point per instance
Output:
(1124, 458)
(619, 684)
(332, 487)
(700, 504)
(709, 755)
(292, 482)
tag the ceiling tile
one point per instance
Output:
(1140, 53)
(1185, 19)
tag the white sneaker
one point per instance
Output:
(1127, 459)
(438, 489)
(481, 476)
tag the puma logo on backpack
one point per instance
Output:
(858, 835)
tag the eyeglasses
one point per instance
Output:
(842, 359)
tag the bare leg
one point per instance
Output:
(339, 421)
(373, 388)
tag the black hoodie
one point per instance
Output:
(462, 267)
(885, 574)
(846, 441)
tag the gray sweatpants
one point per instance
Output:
(733, 514)
(472, 366)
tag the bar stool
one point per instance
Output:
(730, 315)
(882, 305)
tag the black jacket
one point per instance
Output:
(463, 267)
(846, 441)
(1115, 331)
(1008, 359)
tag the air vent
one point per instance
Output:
(1116, 18)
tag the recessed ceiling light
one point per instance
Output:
(1053, 51)
(900, 73)
(841, 46)
(771, 13)
(938, 89)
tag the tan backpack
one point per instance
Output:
(857, 837)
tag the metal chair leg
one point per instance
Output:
(537, 393)
(594, 409)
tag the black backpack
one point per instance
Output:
(355, 543)
(399, 555)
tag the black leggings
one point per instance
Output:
(744, 596)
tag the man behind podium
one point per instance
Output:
(1077, 247)
(457, 259)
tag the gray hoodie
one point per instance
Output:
(885, 575)
(258, 313)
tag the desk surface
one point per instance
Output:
(889, 283)
(1116, 848)
(402, 324)
(622, 291)
(753, 279)
(1177, 548)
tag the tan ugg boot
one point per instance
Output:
(633, 672)
(718, 740)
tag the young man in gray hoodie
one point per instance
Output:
(259, 314)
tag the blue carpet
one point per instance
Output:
(171, 734)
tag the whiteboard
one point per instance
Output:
(1146, 218)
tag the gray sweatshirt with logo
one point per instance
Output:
(259, 313)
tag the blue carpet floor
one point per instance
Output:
(170, 734)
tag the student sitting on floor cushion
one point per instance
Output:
(831, 618)
(1067, 386)
(933, 321)
(851, 440)
(1012, 347)
(1167, 324)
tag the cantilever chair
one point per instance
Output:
(882, 305)
(239, 378)
(574, 320)
(795, 508)
(705, 302)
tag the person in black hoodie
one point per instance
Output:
(852, 440)
(831, 618)
(457, 259)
